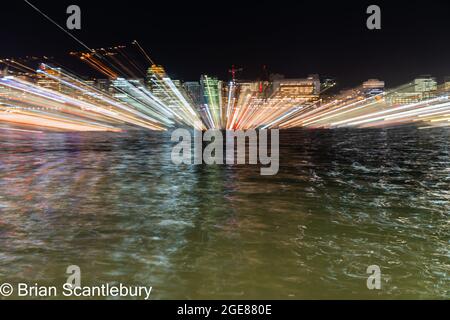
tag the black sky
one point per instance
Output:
(294, 38)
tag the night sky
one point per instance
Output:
(294, 38)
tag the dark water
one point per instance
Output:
(115, 205)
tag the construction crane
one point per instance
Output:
(234, 71)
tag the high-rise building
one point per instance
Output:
(157, 70)
(306, 89)
(194, 90)
(372, 87)
(212, 92)
(425, 84)
(155, 75)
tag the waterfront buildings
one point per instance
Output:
(421, 88)
(194, 90)
(50, 83)
(373, 87)
(447, 83)
(307, 89)
(154, 100)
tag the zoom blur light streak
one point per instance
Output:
(146, 97)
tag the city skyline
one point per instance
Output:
(134, 90)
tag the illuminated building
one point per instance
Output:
(305, 89)
(194, 90)
(156, 70)
(49, 83)
(425, 84)
(421, 88)
(399, 98)
(372, 87)
(155, 81)
(447, 83)
(167, 91)
(159, 103)
(212, 91)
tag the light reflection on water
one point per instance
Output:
(115, 205)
